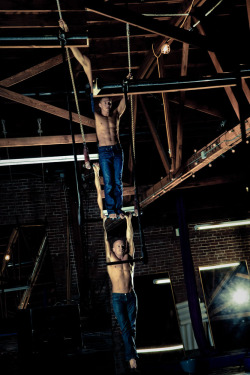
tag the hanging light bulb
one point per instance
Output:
(7, 257)
(165, 49)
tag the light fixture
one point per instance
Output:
(160, 349)
(224, 224)
(161, 281)
(219, 266)
(165, 49)
(241, 296)
(47, 159)
(7, 257)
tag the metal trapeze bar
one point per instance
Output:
(125, 261)
(167, 85)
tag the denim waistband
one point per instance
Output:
(124, 294)
(117, 146)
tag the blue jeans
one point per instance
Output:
(111, 163)
(125, 309)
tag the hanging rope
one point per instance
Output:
(136, 202)
(85, 147)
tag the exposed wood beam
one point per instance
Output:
(192, 104)
(122, 14)
(228, 90)
(156, 137)
(45, 107)
(45, 140)
(179, 137)
(167, 117)
(33, 71)
(150, 58)
(198, 161)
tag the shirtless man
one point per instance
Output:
(124, 298)
(109, 147)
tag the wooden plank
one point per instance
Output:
(45, 107)
(167, 117)
(179, 137)
(45, 140)
(33, 71)
(122, 14)
(219, 69)
(150, 58)
(199, 160)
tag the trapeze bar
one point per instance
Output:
(125, 261)
(168, 85)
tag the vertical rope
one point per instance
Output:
(85, 148)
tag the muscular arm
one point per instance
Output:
(121, 107)
(83, 60)
(129, 235)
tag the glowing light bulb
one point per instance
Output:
(7, 257)
(165, 49)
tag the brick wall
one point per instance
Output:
(29, 200)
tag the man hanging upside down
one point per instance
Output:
(109, 147)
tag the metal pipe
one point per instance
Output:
(168, 85)
(40, 38)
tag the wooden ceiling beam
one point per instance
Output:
(45, 140)
(124, 15)
(33, 71)
(45, 107)
(199, 160)
(219, 69)
(179, 136)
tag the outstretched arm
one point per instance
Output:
(122, 106)
(83, 60)
(129, 235)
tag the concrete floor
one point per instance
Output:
(97, 356)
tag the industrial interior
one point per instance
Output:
(183, 68)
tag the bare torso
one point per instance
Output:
(120, 275)
(107, 129)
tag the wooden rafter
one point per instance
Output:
(45, 107)
(228, 90)
(32, 71)
(198, 161)
(167, 117)
(179, 137)
(122, 14)
(45, 140)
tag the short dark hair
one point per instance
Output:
(114, 239)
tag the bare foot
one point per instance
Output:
(122, 215)
(132, 363)
(112, 216)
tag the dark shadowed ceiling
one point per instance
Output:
(190, 108)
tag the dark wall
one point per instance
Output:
(30, 200)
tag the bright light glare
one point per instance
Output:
(241, 296)
(222, 225)
(161, 281)
(160, 349)
(218, 266)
